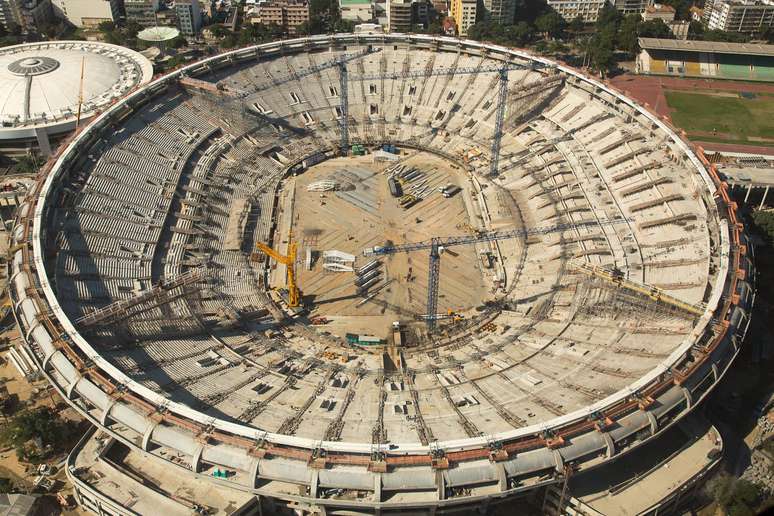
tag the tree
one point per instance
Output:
(34, 432)
(765, 222)
(577, 25)
(26, 165)
(529, 10)
(106, 26)
(608, 18)
(726, 37)
(551, 24)
(682, 8)
(696, 30)
(600, 52)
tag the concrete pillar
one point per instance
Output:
(43, 142)
(377, 497)
(103, 419)
(653, 423)
(71, 387)
(440, 483)
(146, 437)
(747, 195)
(558, 461)
(502, 476)
(763, 201)
(255, 468)
(314, 483)
(688, 397)
(610, 444)
(196, 459)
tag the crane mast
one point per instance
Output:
(434, 245)
(289, 261)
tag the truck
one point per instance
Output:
(450, 191)
(395, 188)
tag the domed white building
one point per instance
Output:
(40, 85)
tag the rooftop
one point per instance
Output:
(28, 71)
(706, 46)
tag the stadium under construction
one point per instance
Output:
(375, 273)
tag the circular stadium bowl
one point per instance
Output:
(138, 293)
(32, 109)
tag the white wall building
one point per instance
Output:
(87, 13)
(571, 9)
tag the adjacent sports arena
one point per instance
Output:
(374, 273)
(41, 88)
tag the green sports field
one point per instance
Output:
(724, 118)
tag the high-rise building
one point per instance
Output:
(356, 10)
(399, 15)
(499, 11)
(748, 16)
(141, 11)
(631, 6)
(189, 17)
(588, 10)
(26, 15)
(464, 13)
(288, 14)
(87, 13)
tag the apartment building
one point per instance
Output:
(87, 13)
(499, 11)
(464, 13)
(631, 6)
(399, 15)
(141, 11)
(588, 10)
(189, 17)
(288, 14)
(26, 15)
(748, 16)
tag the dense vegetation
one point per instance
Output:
(37, 434)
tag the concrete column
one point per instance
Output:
(43, 142)
(558, 461)
(71, 387)
(653, 423)
(106, 413)
(610, 444)
(314, 483)
(196, 459)
(440, 483)
(377, 487)
(146, 437)
(688, 397)
(502, 476)
(254, 470)
(763, 201)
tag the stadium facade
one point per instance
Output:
(560, 389)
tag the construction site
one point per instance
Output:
(374, 274)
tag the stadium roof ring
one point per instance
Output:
(574, 373)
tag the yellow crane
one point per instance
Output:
(289, 261)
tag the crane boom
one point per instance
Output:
(435, 244)
(489, 236)
(289, 261)
(450, 71)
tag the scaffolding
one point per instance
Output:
(157, 295)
